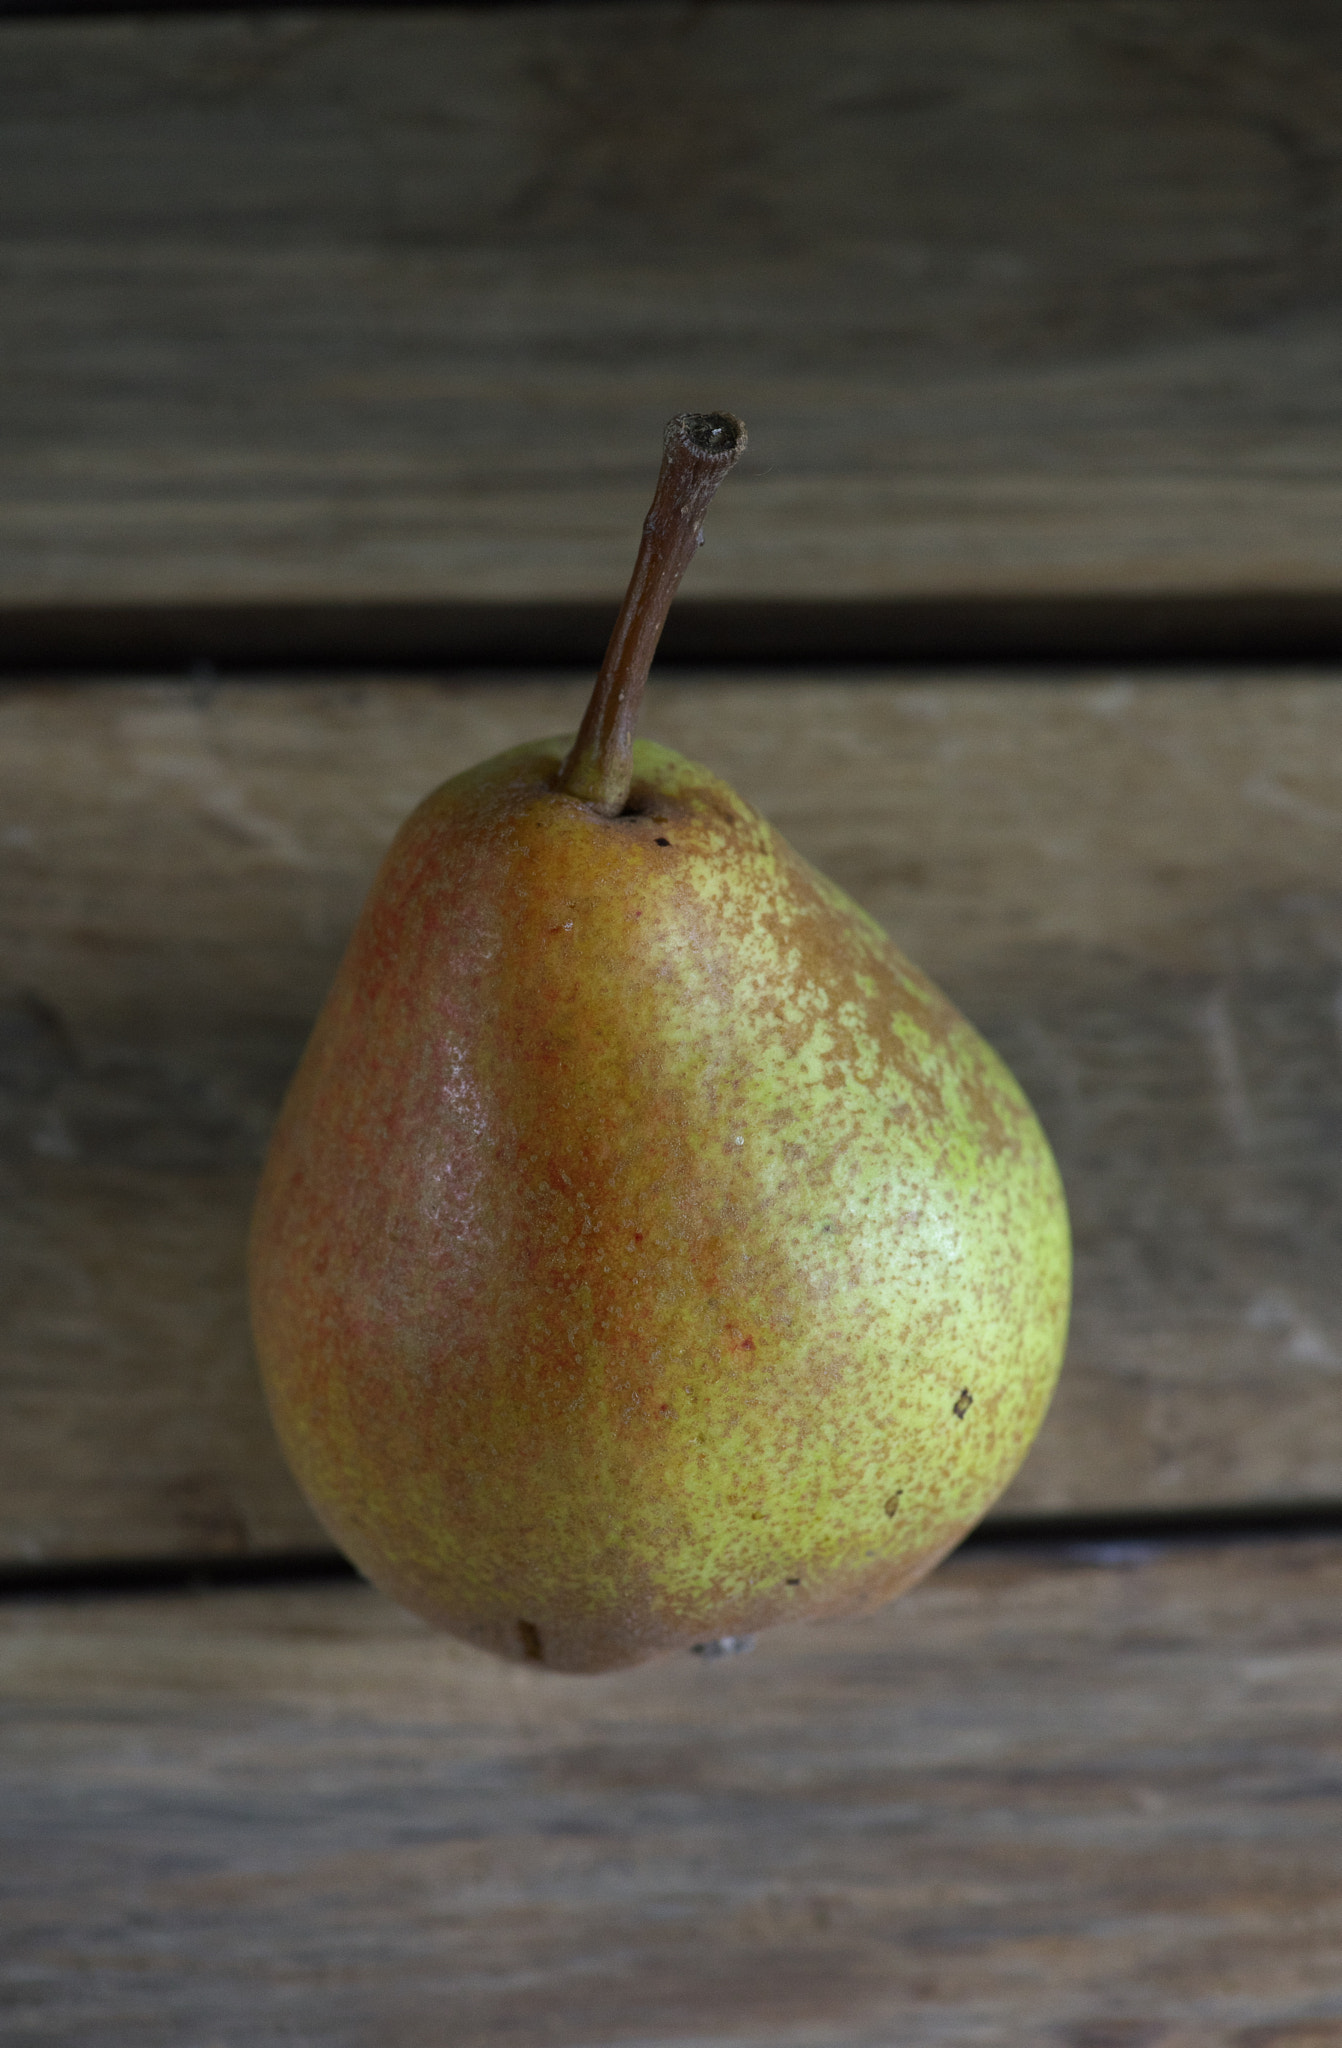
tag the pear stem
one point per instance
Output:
(699, 449)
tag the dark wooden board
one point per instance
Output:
(1017, 296)
(1132, 887)
(1085, 1804)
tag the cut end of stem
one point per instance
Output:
(719, 434)
(698, 450)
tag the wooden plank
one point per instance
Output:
(1133, 887)
(1034, 1802)
(1018, 297)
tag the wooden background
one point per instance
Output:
(373, 316)
(1015, 295)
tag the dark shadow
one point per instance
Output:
(204, 638)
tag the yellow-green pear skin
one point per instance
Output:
(647, 1251)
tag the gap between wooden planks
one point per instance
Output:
(1131, 885)
(1068, 1802)
(1233, 630)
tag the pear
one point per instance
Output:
(647, 1252)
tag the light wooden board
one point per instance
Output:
(1131, 886)
(1017, 296)
(1082, 1805)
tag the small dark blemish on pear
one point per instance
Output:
(892, 1505)
(663, 842)
(963, 1404)
(530, 1638)
(792, 1582)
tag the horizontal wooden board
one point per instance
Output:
(1017, 296)
(1131, 886)
(1081, 1805)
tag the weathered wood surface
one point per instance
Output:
(1082, 1805)
(1017, 296)
(1133, 887)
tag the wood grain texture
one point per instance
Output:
(1016, 297)
(1084, 1805)
(1132, 887)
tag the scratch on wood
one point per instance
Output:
(1230, 1087)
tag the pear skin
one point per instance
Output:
(647, 1251)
